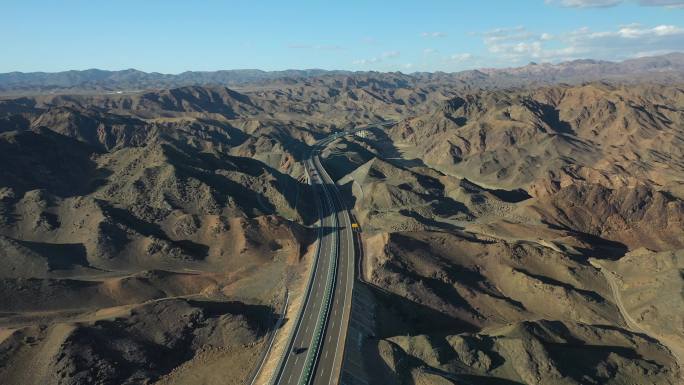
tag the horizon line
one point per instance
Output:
(336, 70)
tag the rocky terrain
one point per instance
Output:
(664, 68)
(512, 235)
(521, 236)
(133, 231)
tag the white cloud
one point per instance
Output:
(612, 3)
(378, 59)
(663, 3)
(585, 3)
(433, 34)
(651, 53)
(661, 30)
(325, 47)
(501, 35)
(515, 45)
(390, 54)
(626, 41)
(428, 51)
(366, 61)
(461, 57)
(635, 31)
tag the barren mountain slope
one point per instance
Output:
(490, 224)
(141, 234)
(529, 235)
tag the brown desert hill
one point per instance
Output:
(134, 345)
(557, 182)
(390, 196)
(144, 233)
(211, 118)
(96, 128)
(131, 191)
(148, 236)
(477, 310)
(639, 281)
(65, 294)
(530, 352)
(483, 282)
(163, 103)
(601, 159)
(663, 68)
(637, 217)
(55, 162)
(516, 138)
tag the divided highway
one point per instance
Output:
(314, 354)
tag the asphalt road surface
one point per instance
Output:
(315, 353)
(314, 356)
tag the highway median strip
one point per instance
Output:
(314, 353)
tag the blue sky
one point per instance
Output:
(399, 35)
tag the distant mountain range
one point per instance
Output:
(129, 79)
(664, 68)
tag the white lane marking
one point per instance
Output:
(311, 281)
(270, 345)
(325, 307)
(350, 267)
(350, 264)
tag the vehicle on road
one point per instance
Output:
(299, 350)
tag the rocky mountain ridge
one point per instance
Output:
(664, 68)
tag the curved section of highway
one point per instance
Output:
(314, 354)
